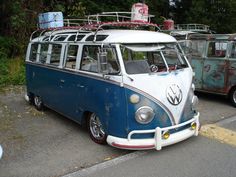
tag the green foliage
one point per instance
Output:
(12, 71)
(6, 47)
(218, 14)
(76, 10)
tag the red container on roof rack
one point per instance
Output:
(139, 12)
(168, 24)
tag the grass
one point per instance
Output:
(12, 71)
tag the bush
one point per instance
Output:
(8, 44)
(12, 71)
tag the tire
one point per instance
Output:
(38, 103)
(96, 130)
(232, 96)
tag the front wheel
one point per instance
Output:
(232, 96)
(96, 129)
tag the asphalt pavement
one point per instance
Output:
(195, 157)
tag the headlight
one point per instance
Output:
(194, 102)
(144, 115)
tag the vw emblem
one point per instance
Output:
(174, 94)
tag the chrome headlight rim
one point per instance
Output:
(144, 115)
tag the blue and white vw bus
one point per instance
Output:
(131, 87)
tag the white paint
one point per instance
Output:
(156, 85)
(135, 36)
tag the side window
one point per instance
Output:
(89, 60)
(33, 52)
(217, 49)
(113, 65)
(197, 47)
(233, 51)
(43, 53)
(55, 54)
(71, 56)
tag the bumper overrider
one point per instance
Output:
(158, 141)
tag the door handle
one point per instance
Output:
(62, 81)
(81, 86)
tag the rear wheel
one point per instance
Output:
(96, 129)
(38, 103)
(232, 96)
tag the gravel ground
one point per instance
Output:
(43, 143)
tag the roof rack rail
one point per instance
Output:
(192, 27)
(95, 23)
(118, 16)
(131, 24)
(195, 27)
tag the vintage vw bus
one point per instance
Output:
(213, 58)
(131, 87)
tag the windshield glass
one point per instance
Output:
(146, 58)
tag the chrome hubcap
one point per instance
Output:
(96, 127)
(37, 101)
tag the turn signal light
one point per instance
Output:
(166, 135)
(193, 125)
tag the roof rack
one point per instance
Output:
(194, 27)
(94, 23)
(118, 16)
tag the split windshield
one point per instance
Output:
(152, 58)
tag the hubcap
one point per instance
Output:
(96, 127)
(37, 101)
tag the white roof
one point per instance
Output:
(135, 36)
(118, 36)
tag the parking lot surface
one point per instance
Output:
(43, 143)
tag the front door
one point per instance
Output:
(215, 67)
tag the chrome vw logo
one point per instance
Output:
(174, 94)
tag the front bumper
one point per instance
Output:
(157, 142)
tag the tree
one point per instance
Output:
(218, 14)
(180, 9)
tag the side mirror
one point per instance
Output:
(102, 62)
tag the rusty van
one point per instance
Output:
(213, 59)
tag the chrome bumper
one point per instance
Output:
(157, 142)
